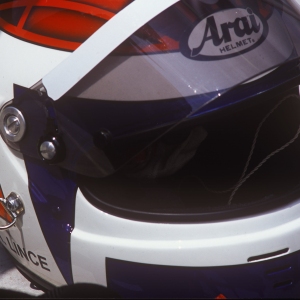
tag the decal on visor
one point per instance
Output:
(225, 34)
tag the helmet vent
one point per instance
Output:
(268, 255)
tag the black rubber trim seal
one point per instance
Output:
(208, 215)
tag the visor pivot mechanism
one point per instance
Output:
(40, 88)
(12, 124)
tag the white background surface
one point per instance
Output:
(11, 278)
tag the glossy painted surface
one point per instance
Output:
(27, 64)
(53, 195)
(277, 278)
(209, 244)
(26, 241)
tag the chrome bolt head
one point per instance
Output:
(12, 124)
(52, 149)
(48, 150)
(14, 204)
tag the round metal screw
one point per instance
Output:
(12, 125)
(48, 150)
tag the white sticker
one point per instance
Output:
(227, 33)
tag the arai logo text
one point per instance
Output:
(226, 33)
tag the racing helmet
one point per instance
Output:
(191, 118)
(173, 112)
